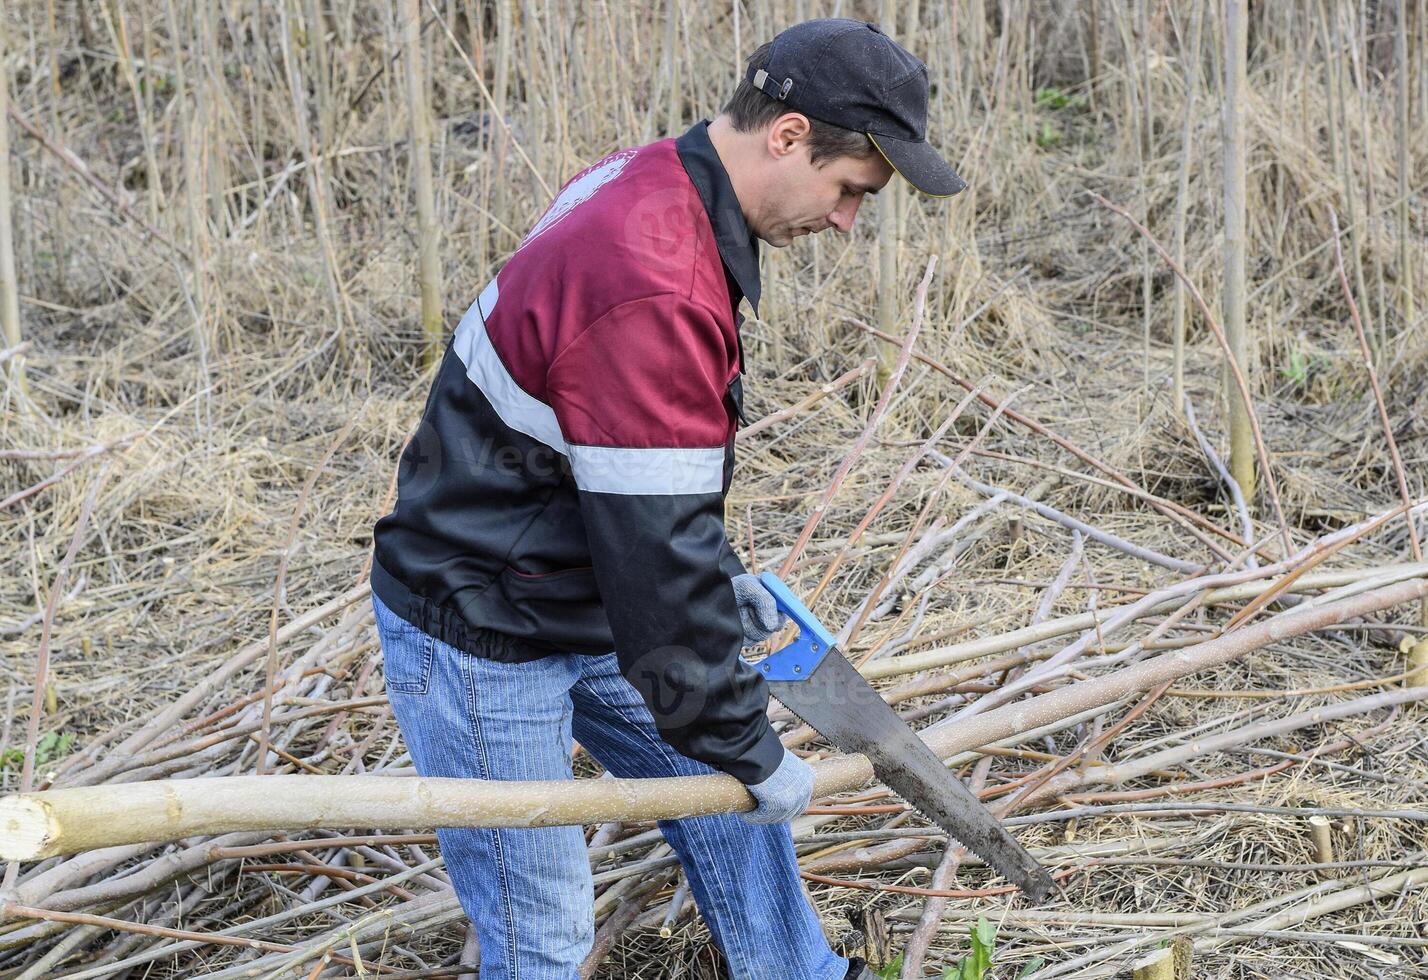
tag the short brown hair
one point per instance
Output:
(750, 110)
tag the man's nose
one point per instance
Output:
(842, 216)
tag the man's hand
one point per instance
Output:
(758, 612)
(785, 794)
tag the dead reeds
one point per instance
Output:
(216, 230)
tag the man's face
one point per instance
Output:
(803, 197)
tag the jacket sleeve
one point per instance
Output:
(730, 563)
(640, 401)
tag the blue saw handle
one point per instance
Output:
(796, 661)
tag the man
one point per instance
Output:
(563, 498)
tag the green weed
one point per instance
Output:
(891, 970)
(1054, 98)
(1297, 370)
(51, 747)
(974, 966)
(979, 960)
(976, 963)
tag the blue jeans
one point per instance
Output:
(528, 891)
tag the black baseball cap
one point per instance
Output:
(849, 73)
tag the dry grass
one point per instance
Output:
(214, 316)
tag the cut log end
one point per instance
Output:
(1168, 963)
(1159, 965)
(26, 829)
(1417, 669)
(1321, 830)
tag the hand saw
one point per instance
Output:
(817, 683)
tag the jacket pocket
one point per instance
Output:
(536, 590)
(406, 652)
(561, 608)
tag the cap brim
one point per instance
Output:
(920, 165)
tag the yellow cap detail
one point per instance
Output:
(900, 173)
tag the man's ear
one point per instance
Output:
(786, 133)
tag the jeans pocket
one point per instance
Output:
(406, 651)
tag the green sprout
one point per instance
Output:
(50, 747)
(1053, 98)
(1298, 368)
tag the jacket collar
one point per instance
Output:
(738, 248)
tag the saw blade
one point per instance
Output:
(839, 703)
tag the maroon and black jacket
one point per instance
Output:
(565, 489)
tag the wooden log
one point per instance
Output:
(428, 227)
(65, 821)
(1167, 963)
(1242, 449)
(1416, 671)
(1159, 965)
(9, 281)
(1321, 831)
(909, 663)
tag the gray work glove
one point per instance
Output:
(785, 794)
(758, 612)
